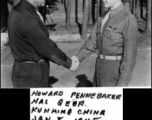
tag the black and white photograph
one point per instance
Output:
(75, 43)
(74, 58)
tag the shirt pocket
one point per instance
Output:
(113, 34)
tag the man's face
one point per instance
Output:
(109, 3)
(40, 2)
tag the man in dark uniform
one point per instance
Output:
(115, 38)
(31, 46)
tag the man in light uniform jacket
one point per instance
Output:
(114, 37)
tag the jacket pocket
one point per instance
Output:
(112, 33)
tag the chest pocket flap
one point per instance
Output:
(112, 33)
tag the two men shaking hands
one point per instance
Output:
(114, 38)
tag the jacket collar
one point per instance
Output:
(29, 5)
(116, 10)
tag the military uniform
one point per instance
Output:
(116, 45)
(31, 47)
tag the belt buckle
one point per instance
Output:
(117, 57)
(40, 60)
(104, 57)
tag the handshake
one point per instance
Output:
(75, 63)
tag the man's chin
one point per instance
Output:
(42, 4)
(106, 6)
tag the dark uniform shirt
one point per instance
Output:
(29, 37)
(118, 38)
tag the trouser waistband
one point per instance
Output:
(28, 61)
(107, 57)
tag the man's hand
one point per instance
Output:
(75, 63)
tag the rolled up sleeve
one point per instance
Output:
(130, 51)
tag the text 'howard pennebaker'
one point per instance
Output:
(78, 101)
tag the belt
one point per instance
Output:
(39, 61)
(106, 57)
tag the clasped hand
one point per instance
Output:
(75, 63)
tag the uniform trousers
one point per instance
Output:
(30, 74)
(106, 73)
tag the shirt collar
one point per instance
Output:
(29, 5)
(116, 10)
